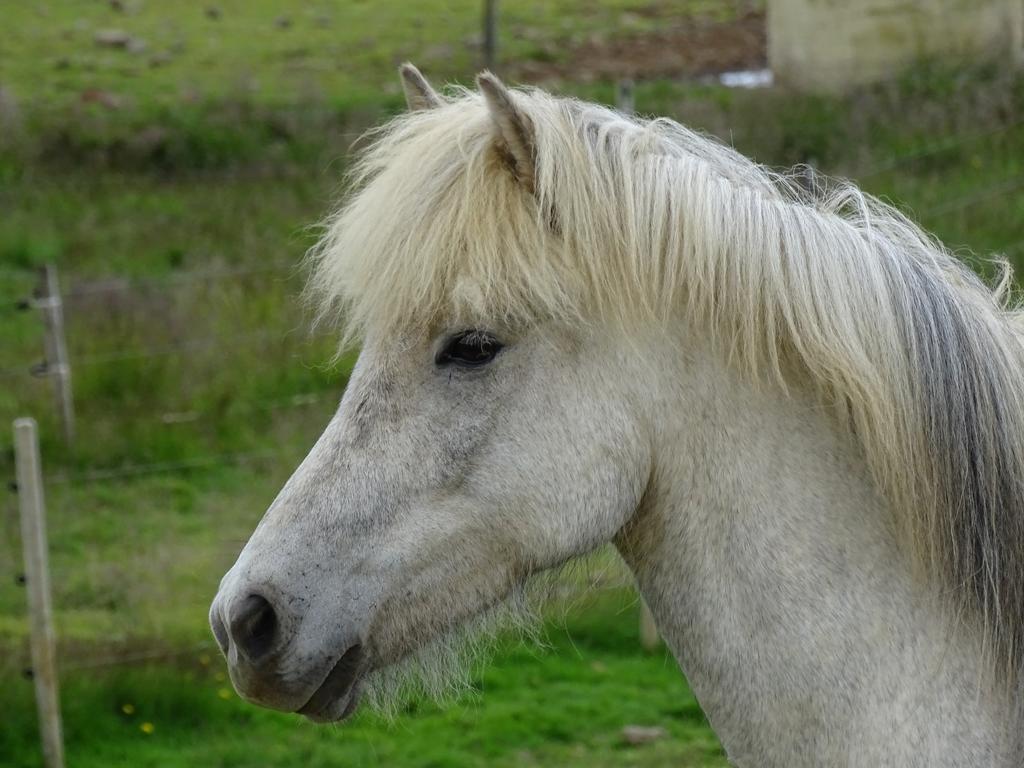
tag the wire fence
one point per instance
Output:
(101, 285)
(186, 345)
(81, 286)
(164, 467)
(69, 482)
(139, 657)
(933, 149)
(165, 350)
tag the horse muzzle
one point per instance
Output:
(259, 638)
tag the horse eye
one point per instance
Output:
(469, 348)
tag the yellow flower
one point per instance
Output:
(224, 693)
(219, 677)
(147, 728)
(204, 659)
(128, 709)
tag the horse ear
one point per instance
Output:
(512, 129)
(418, 93)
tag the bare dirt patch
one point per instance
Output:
(686, 47)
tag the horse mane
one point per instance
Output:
(632, 220)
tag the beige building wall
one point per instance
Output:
(832, 44)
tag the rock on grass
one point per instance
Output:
(112, 38)
(638, 735)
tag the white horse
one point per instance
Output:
(796, 416)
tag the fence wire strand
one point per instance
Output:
(81, 286)
(164, 467)
(137, 658)
(932, 149)
(980, 196)
(207, 342)
(12, 372)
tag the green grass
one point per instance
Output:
(226, 143)
(565, 704)
(136, 563)
(205, 92)
(266, 52)
(151, 378)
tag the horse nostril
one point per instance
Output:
(220, 632)
(254, 627)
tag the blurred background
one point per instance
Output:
(161, 167)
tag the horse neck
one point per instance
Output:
(769, 561)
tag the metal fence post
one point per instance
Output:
(490, 34)
(37, 579)
(625, 101)
(56, 364)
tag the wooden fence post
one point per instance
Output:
(56, 365)
(37, 580)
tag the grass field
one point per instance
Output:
(322, 50)
(565, 704)
(174, 181)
